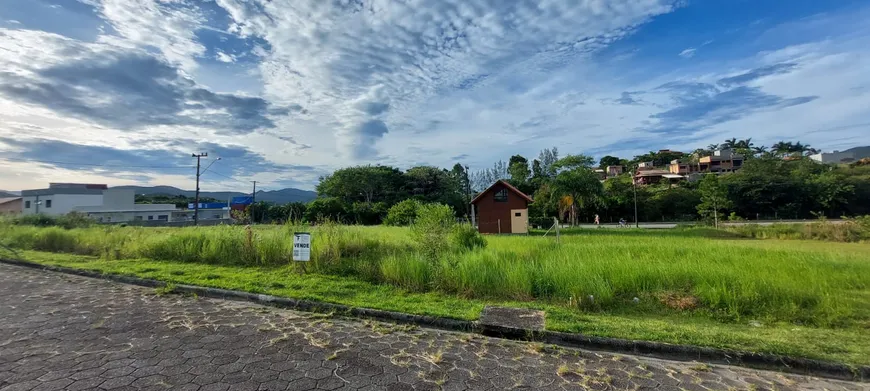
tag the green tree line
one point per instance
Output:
(779, 182)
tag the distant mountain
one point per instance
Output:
(282, 196)
(6, 194)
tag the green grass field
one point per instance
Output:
(695, 286)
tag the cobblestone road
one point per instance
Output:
(61, 332)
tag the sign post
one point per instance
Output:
(301, 248)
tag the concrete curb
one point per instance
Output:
(661, 350)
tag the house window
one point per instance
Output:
(501, 195)
(150, 217)
(518, 214)
(738, 163)
(48, 203)
(163, 217)
(26, 204)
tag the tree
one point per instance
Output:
(714, 197)
(577, 187)
(518, 169)
(363, 183)
(260, 211)
(608, 161)
(783, 148)
(759, 151)
(366, 213)
(830, 191)
(659, 159)
(327, 208)
(403, 213)
(548, 157)
(570, 162)
(482, 179)
(432, 184)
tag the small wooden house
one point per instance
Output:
(501, 208)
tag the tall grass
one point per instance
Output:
(850, 230)
(811, 283)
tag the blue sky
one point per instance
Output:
(123, 91)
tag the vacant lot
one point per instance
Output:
(694, 286)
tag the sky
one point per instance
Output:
(284, 91)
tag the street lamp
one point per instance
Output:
(198, 173)
(634, 186)
(209, 165)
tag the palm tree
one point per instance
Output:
(758, 151)
(782, 147)
(745, 144)
(578, 187)
(566, 206)
(730, 144)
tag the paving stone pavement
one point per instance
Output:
(62, 332)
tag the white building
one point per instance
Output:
(106, 205)
(118, 205)
(847, 156)
(61, 198)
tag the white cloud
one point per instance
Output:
(425, 81)
(688, 53)
(224, 57)
(168, 25)
(330, 55)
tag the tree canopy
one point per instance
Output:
(773, 183)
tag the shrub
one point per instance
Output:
(403, 213)
(365, 213)
(432, 228)
(466, 237)
(38, 220)
(326, 209)
(74, 220)
(55, 240)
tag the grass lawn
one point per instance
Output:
(800, 298)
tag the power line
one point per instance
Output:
(225, 176)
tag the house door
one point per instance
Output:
(519, 221)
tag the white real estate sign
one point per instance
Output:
(302, 246)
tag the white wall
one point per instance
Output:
(849, 155)
(60, 203)
(118, 199)
(123, 217)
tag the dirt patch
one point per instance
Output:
(679, 300)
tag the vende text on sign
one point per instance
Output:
(302, 246)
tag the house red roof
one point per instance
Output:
(508, 186)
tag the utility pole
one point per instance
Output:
(634, 186)
(254, 194)
(196, 198)
(253, 201)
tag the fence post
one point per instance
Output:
(556, 223)
(499, 225)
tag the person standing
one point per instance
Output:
(597, 220)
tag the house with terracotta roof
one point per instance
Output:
(501, 208)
